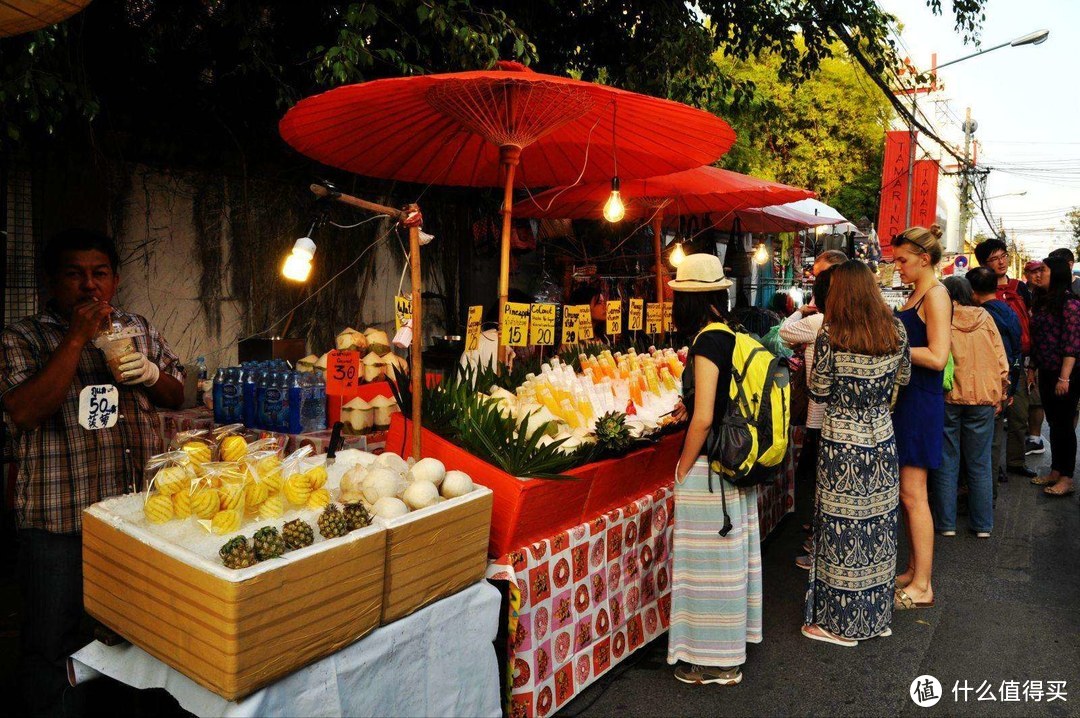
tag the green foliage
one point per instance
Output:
(1072, 223)
(827, 133)
(412, 38)
(508, 445)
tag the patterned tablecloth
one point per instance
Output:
(585, 599)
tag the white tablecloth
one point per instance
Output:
(439, 661)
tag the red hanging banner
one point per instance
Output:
(894, 188)
(924, 193)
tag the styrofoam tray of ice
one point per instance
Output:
(190, 542)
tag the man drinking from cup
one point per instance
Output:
(45, 362)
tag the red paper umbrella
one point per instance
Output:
(476, 128)
(459, 128)
(703, 190)
(19, 16)
(771, 220)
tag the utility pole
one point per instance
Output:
(969, 127)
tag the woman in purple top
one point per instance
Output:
(1055, 346)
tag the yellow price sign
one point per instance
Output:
(585, 325)
(542, 325)
(654, 318)
(402, 311)
(668, 326)
(570, 325)
(515, 324)
(614, 317)
(636, 318)
(472, 328)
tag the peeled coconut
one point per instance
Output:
(381, 482)
(392, 461)
(351, 340)
(378, 342)
(456, 483)
(430, 470)
(542, 417)
(352, 485)
(358, 414)
(420, 494)
(396, 367)
(320, 366)
(374, 367)
(384, 406)
(390, 508)
(307, 364)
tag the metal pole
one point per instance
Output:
(965, 182)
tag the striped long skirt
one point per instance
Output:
(716, 580)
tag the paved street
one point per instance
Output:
(1008, 609)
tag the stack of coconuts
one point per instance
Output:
(377, 360)
(389, 487)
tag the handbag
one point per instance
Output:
(947, 374)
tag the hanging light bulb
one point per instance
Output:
(761, 255)
(614, 210)
(677, 255)
(297, 266)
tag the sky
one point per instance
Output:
(1024, 100)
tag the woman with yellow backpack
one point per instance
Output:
(716, 554)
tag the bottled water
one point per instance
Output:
(250, 391)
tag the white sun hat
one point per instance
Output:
(700, 273)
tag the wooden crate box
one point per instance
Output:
(232, 632)
(434, 552)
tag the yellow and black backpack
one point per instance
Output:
(749, 445)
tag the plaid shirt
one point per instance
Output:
(64, 468)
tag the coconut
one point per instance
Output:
(392, 461)
(307, 364)
(320, 366)
(420, 494)
(541, 418)
(351, 340)
(384, 406)
(374, 367)
(352, 485)
(430, 470)
(378, 342)
(456, 483)
(390, 508)
(381, 482)
(358, 414)
(396, 367)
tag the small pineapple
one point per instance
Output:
(297, 534)
(332, 522)
(236, 553)
(612, 433)
(268, 543)
(356, 516)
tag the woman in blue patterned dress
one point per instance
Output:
(861, 355)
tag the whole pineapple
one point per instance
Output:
(236, 553)
(356, 516)
(612, 433)
(297, 534)
(332, 522)
(268, 543)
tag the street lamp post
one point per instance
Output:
(1032, 38)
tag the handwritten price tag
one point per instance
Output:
(570, 326)
(584, 322)
(99, 406)
(668, 326)
(654, 317)
(402, 311)
(542, 325)
(515, 324)
(472, 328)
(342, 372)
(637, 309)
(614, 317)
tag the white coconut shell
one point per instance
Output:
(431, 470)
(390, 508)
(420, 495)
(392, 461)
(352, 481)
(456, 483)
(382, 482)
